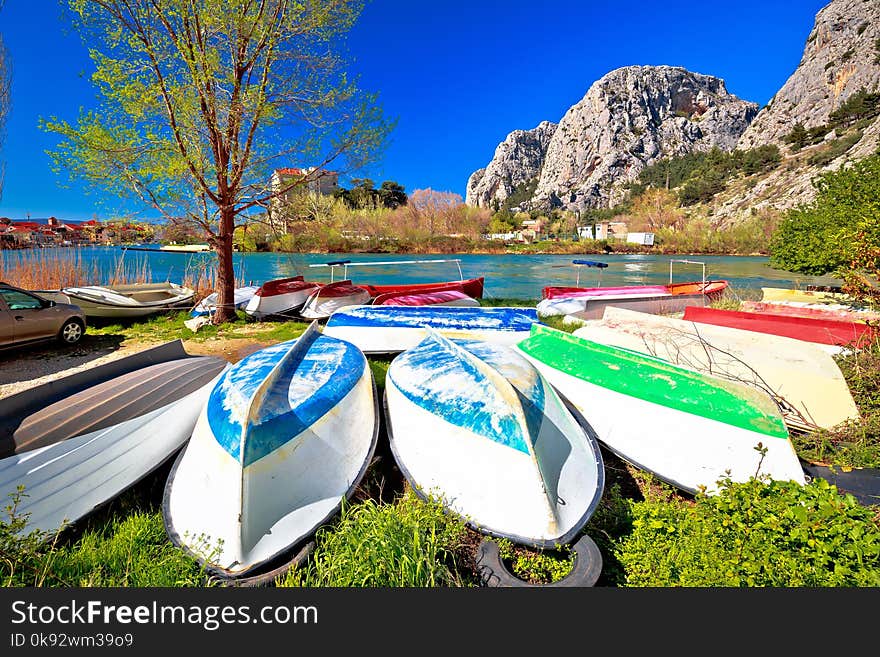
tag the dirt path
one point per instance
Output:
(26, 367)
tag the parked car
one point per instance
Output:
(26, 317)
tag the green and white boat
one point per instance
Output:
(687, 428)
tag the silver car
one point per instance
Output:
(26, 317)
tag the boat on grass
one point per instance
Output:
(78, 442)
(123, 301)
(834, 336)
(284, 437)
(477, 427)
(241, 297)
(687, 428)
(392, 329)
(804, 296)
(582, 308)
(431, 298)
(328, 298)
(802, 377)
(280, 297)
(834, 312)
(473, 287)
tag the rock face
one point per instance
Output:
(517, 161)
(841, 57)
(627, 120)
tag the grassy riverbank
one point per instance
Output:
(751, 534)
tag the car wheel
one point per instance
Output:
(71, 332)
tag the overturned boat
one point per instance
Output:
(283, 438)
(803, 379)
(281, 296)
(330, 297)
(76, 443)
(392, 329)
(688, 428)
(124, 301)
(476, 426)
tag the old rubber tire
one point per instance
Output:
(71, 332)
(584, 572)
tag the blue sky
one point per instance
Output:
(457, 75)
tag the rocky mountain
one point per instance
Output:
(637, 115)
(628, 119)
(841, 58)
(517, 160)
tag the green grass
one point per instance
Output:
(408, 543)
(125, 546)
(854, 443)
(495, 302)
(163, 328)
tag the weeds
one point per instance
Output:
(409, 543)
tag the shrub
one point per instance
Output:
(755, 533)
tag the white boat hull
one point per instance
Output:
(801, 373)
(236, 512)
(511, 468)
(392, 329)
(685, 450)
(67, 480)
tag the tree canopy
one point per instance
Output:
(201, 99)
(839, 233)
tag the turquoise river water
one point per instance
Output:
(506, 275)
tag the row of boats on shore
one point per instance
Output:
(493, 412)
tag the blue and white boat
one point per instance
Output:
(476, 426)
(392, 329)
(286, 435)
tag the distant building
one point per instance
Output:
(646, 239)
(317, 181)
(603, 230)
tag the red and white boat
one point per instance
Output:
(280, 297)
(332, 296)
(472, 287)
(833, 334)
(712, 289)
(428, 298)
(815, 311)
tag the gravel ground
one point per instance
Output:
(22, 368)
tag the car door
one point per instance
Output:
(5, 324)
(32, 319)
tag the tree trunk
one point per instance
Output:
(225, 272)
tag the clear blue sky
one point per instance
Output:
(458, 75)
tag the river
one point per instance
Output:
(506, 276)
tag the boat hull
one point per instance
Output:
(331, 297)
(832, 335)
(392, 329)
(833, 312)
(435, 298)
(472, 287)
(124, 301)
(71, 464)
(241, 298)
(798, 373)
(280, 297)
(238, 502)
(475, 427)
(686, 428)
(712, 289)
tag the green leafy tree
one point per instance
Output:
(392, 195)
(199, 98)
(839, 232)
